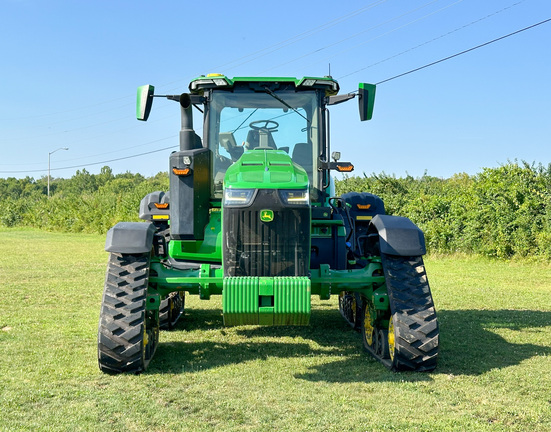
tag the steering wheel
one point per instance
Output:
(273, 125)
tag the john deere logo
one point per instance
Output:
(266, 215)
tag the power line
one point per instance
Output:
(90, 164)
(463, 52)
(356, 35)
(378, 83)
(368, 30)
(255, 55)
(284, 43)
(301, 36)
(73, 109)
(432, 40)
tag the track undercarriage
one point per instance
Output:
(388, 302)
(404, 335)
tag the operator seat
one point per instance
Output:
(253, 139)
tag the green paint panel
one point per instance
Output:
(208, 250)
(380, 299)
(266, 169)
(266, 301)
(292, 301)
(240, 300)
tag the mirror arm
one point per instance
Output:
(334, 100)
(195, 99)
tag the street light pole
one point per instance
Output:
(49, 154)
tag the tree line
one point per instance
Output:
(90, 203)
(499, 212)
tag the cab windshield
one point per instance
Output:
(246, 120)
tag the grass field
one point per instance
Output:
(494, 371)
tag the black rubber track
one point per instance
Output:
(123, 332)
(171, 310)
(416, 329)
(348, 307)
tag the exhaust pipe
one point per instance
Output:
(188, 138)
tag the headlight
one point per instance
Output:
(238, 197)
(295, 197)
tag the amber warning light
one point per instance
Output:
(181, 172)
(345, 167)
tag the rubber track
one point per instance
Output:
(165, 322)
(122, 316)
(414, 315)
(345, 308)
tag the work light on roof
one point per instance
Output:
(210, 82)
(328, 83)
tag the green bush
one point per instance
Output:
(86, 202)
(501, 212)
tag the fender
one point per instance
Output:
(130, 237)
(399, 236)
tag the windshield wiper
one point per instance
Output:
(272, 94)
(248, 117)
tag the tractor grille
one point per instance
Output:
(277, 248)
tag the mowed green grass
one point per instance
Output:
(494, 370)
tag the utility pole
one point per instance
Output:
(49, 154)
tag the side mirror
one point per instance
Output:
(366, 100)
(144, 101)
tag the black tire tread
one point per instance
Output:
(413, 312)
(122, 315)
(168, 320)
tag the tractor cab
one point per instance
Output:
(281, 115)
(252, 121)
(247, 113)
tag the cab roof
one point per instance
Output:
(219, 81)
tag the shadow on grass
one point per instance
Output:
(469, 344)
(470, 341)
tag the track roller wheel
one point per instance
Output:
(368, 331)
(391, 342)
(413, 333)
(374, 338)
(348, 307)
(381, 344)
(171, 309)
(128, 334)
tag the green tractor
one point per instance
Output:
(251, 215)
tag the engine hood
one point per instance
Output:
(265, 169)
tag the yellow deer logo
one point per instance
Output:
(266, 215)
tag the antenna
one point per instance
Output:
(329, 69)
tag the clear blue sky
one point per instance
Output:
(69, 72)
